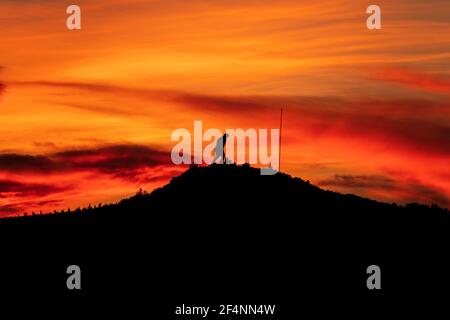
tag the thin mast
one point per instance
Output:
(279, 142)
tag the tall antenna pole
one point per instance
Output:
(279, 142)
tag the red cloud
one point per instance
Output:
(8, 187)
(63, 179)
(18, 197)
(414, 79)
(409, 125)
(2, 88)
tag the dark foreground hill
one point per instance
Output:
(226, 233)
(242, 192)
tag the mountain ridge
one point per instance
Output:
(230, 180)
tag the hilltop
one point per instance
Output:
(242, 191)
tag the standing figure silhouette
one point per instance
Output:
(219, 151)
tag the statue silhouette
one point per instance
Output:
(219, 150)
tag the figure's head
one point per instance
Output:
(226, 135)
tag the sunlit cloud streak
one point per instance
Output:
(414, 79)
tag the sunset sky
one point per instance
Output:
(86, 115)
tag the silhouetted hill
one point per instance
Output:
(230, 189)
(226, 231)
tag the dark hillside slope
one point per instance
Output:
(226, 231)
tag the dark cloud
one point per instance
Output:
(406, 190)
(428, 194)
(12, 162)
(197, 101)
(104, 109)
(222, 103)
(358, 181)
(410, 125)
(24, 206)
(144, 177)
(416, 135)
(21, 189)
(6, 210)
(102, 87)
(2, 85)
(46, 202)
(45, 144)
(118, 160)
(113, 159)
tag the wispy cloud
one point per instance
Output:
(27, 189)
(419, 80)
(11, 162)
(2, 88)
(106, 159)
(388, 188)
(358, 181)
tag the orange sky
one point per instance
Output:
(86, 115)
